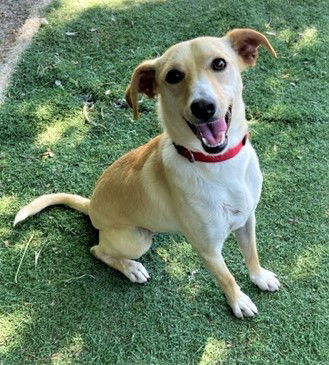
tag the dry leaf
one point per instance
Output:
(44, 21)
(47, 154)
(293, 220)
(36, 257)
(89, 107)
(121, 103)
(58, 83)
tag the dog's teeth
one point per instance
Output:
(208, 144)
(211, 145)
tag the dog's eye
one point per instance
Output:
(218, 64)
(174, 76)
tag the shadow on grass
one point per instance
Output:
(67, 306)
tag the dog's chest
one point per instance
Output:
(228, 203)
(225, 195)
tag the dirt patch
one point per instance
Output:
(19, 21)
(13, 14)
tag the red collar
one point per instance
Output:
(199, 156)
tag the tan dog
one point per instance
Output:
(201, 177)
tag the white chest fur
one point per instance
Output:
(217, 197)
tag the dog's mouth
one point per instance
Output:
(213, 135)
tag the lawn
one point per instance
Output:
(64, 307)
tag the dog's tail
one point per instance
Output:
(73, 201)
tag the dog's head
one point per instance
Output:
(199, 87)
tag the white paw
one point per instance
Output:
(243, 306)
(265, 280)
(135, 272)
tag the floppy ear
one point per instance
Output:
(142, 81)
(246, 42)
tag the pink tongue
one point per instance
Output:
(213, 132)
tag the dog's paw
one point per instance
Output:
(135, 272)
(243, 306)
(265, 280)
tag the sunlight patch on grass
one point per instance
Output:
(285, 35)
(51, 135)
(179, 263)
(308, 263)
(37, 241)
(252, 122)
(173, 266)
(6, 203)
(214, 352)
(75, 8)
(44, 111)
(192, 289)
(307, 39)
(274, 83)
(176, 270)
(69, 354)
(10, 326)
(78, 6)
(5, 232)
(280, 110)
(73, 128)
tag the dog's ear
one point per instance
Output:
(142, 81)
(246, 42)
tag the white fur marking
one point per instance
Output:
(203, 90)
(244, 307)
(265, 280)
(20, 216)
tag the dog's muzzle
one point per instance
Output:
(213, 135)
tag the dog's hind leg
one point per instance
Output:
(119, 248)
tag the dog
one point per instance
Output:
(200, 177)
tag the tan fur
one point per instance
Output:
(246, 43)
(152, 188)
(142, 81)
(73, 201)
(138, 179)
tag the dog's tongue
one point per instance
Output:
(214, 132)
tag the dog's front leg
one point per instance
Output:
(246, 237)
(241, 304)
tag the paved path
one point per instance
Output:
(19, 21)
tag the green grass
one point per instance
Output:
(68, 308)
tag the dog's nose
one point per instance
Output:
(203, 109)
